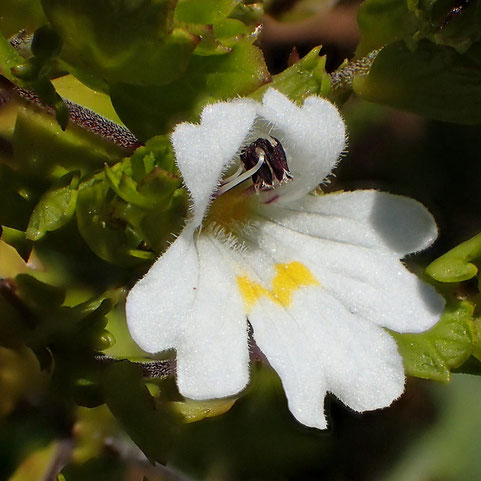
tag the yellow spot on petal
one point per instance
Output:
(288, 278)
(251, 291)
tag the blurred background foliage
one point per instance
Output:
(89, 92)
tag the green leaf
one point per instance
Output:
(157, 152)
(150, 425)
(20, 14)
(61, 335)
(209, 44)
(207, 12)
(138, 199)
(382, 22)
(156, 227)
(456, 265)
(154, 191)
(471, 366)
(442, 22)
(72, 89)
(231, 28)
(248, 13)
(433, 81)
(12, 264)
(155, 204)
(433, 354)
(125, 187)
(91, 327)
(121, 40)
(55, 208)
(304, 78)
(148, 111)
(17, 239)
(159, 227)
(20, 193)
(9, 58)
(42, 149)
(38, 295)
(108, 235)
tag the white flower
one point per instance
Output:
(318, 277)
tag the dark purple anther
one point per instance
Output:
(274, 170)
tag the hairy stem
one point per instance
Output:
(150, 369)
(87, 119)
(342, 78)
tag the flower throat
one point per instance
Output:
(265, 162)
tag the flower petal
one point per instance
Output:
(159, 304)
(189, 301)
(203, 152)
(316, 345)
(371, 283)
(365, 218)
(212, 353)
(283, 339)
(313, 137)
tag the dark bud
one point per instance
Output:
(46, 43)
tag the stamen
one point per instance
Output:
(233, 176)
(237, 180)
(274, 171)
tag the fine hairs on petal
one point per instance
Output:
(328, 179)
(226, 239)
